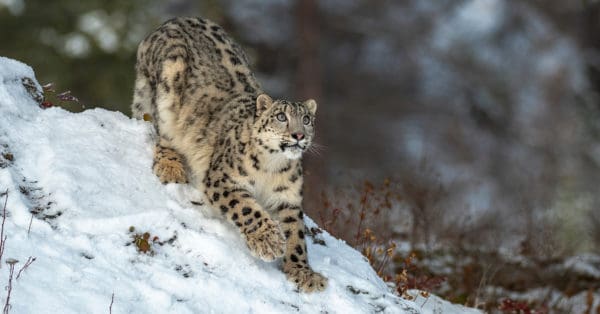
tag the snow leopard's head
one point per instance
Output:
(284, 127)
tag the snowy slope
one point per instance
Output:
(87, 179)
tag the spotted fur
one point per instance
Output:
(219, 130)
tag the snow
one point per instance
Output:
(77, 45)
(15, 7)
(250, 16)
(88, 178)
(584, 264)
(102, 27)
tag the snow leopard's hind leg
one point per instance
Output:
(141, 107)
(169, 165)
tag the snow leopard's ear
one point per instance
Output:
(263, 102)
(311, 104)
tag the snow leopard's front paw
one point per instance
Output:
(305, 278)
(265, 240)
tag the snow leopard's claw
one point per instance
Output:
(306, 279)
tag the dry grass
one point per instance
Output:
(356, 222)
(451, 259)
(10, 261)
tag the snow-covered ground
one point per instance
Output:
(76, 183)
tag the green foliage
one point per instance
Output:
(88, 46)
(85, 46)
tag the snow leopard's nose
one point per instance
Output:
(298, 136)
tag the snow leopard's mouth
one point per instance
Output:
(292, 151)
(292, 147)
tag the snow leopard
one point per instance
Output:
(219, 131)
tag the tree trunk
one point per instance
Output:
(308, 85)
(591, 40)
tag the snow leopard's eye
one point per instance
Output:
(306, 120)
(281, 117)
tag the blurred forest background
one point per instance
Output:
(450, 125)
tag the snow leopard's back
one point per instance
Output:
(195, 64)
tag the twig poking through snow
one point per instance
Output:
(66, 96)
(2, 236)
(112, 299)
(29, 228)
(11, 262)
(30, 260)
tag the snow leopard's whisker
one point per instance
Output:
(316, 149)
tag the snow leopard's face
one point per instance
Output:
(285, 127)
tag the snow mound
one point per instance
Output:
(76, 183)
